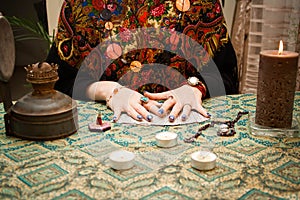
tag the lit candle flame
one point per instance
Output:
(280, 51)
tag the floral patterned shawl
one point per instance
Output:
(184, 43)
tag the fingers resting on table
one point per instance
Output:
(180, 102)
(130, 101)
(176, 103)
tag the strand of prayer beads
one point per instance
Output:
(226, 128)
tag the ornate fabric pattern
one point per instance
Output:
(81, 28)
(248, 167)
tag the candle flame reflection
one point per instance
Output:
(280, 51)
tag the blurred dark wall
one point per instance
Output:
(29, 51)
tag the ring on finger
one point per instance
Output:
(144, 99)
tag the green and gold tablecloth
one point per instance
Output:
(248, 167)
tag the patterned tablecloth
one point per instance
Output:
(248, 166)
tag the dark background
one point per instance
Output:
(29, 51)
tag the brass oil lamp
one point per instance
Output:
(43, 114)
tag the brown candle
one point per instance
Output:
(276, 88)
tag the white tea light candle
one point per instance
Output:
(166, 139)
(203, 160)
(121, 160)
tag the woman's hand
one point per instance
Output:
(126, 100)
(121, 99)
(181, 101)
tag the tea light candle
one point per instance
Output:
(121, 160)
(276, 88)
(203, 160)
(166, 139)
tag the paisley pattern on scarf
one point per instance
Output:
(81, 28)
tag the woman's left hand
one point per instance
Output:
(181, 101)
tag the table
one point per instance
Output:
(248, 167)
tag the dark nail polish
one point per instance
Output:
(114, 119)
(149, 118)
(183, 117)
(171, 118)
(161, 111)
(140, 117)
(208, 114)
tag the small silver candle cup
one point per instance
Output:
(121, 160)
(203, 160)
(166, 139)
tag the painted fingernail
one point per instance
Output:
(161, 111)
(171, 118)
(149, 118)
(208, 114)
(140, 117)
(183, 117)
(114, 119)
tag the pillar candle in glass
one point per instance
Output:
(276, 88)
